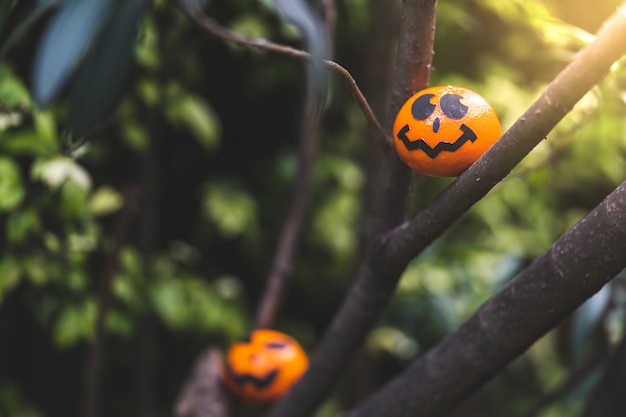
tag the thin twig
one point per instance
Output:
(212, 27)
(94, 364)
(283, 259)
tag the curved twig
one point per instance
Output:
(283, 258)
(211, 26)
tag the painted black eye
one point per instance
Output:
(452, 107)
(422, 107)
(275, 345)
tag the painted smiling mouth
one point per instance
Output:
(258, 382)
(411, 145)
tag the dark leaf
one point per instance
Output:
(65, 42)
(300, 14)
(99, 83)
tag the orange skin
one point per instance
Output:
(455, 125)
(264, 368)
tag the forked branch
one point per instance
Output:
(535, 301)
(389, 255)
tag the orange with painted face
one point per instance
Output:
(263, 367)
(441, 131)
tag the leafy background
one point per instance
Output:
(207, 131)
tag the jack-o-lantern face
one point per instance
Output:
(263, 367)
(442, 130)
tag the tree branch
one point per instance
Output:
(204, 395)
(212, 27)
(96, 351)
(366, 301)
(535, 301)
(283, 259)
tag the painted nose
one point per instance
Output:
(436, 125)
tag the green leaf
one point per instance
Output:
(39, 142)
(11, 188)
(26, 143)
(9, 275)
(14, 403)
(188, 303)
(10, 119)
(65, 43)
(199, 117)
(45, 126)
(147, 49)
(56, 171)
(37, 269)
(13, 93)
(149, 91)
(135, 135)
(73, 201)
(120, 323)
(22, 224)
(75, 323)
(105, 200)
(230, 208)
(251, 25)
(191, 111)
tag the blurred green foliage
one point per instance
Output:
(207, 131)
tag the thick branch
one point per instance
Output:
(535, 301)
(204, 395)
(366, 301)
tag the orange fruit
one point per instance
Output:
(441, 131)
(263, 367)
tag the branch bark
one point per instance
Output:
(535, 301)
(203, 395)
(367, 299)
